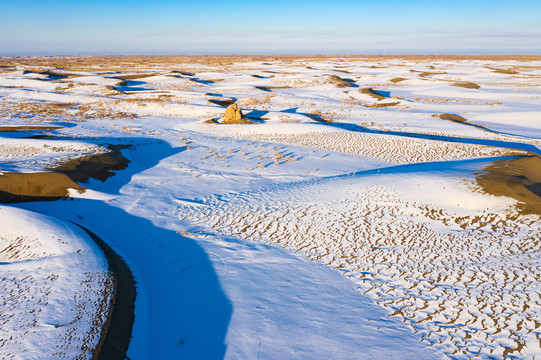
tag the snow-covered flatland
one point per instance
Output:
(377, 208)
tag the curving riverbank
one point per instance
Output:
(117, 331)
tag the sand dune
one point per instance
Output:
(374, 93)
(424, 206)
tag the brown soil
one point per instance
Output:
(373, 93)
(19, 187)
(28, 128)
(54, 185)
(398, 79)
(452, 117)
(518, 178)
(467, 85)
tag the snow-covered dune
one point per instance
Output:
(56, 289)
(363, 208)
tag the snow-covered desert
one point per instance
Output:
(340, 208)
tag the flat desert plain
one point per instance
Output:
(341, 207)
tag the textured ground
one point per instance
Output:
(55, 289)
(416, 178)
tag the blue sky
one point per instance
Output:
(270, 27)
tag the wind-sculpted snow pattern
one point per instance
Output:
(416, 177)
(395, 149)
(466, 280)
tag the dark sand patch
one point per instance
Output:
(452, 117)
(423, 74)
(375, 94)
(225, 103)
(54, 185)
(278, 87)
(518, 178)
(263, 88)
(239, 121)
(467, 85)
(379, 105)
(270, 88)
(204, 82)
(460, 120)
(182, 72)
(29, 128)
(40, 186)
(397, 79)
(51, 75)
(504, 71)
(100, 166)
(341, 82)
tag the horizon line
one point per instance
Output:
(203, 54)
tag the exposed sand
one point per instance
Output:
(54, 185)
(453, 117)
(340, 82)
(518, 178)
(18, 187)
(389, 237)
(28, 128)
(374, 93)
(467, 85)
